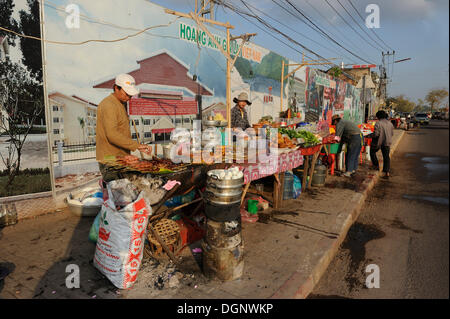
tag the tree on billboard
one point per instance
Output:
(29, 24)
(7, 21)
(20, 97)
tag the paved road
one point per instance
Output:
(403, 227)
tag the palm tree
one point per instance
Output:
(82, 124)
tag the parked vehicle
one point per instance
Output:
(437, 116)
(422, 118)
(403, 121)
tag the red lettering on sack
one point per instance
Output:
(103, 234)
(104, 267)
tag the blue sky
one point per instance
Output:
(416, 29)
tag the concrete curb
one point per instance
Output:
(355, 205)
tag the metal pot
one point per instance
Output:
(222, 198)
(214, 182)
(211, 123)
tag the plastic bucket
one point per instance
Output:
(334, 148)
(252, 206)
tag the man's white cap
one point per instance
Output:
(127, 83)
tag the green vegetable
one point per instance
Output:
(310, 138)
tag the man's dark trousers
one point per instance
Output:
(353, 149)
(385, 150)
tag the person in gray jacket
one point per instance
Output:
(382, 139)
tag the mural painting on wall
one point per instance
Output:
(262, 80)
(296, 94)
(326, 96)
(314, 97)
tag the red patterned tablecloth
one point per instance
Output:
(276, 164)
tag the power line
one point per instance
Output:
(312, 40)
(321, 31)
(268, 26)
(87, 18)
(356, 22)
(87, 41)
(244, 14)
(346, 22)
(371, 29)
(264, 30)
(332, 26)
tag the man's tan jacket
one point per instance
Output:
(113, 129)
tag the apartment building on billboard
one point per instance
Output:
(166, 99)
(72, 119)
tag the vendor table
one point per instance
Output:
(275, 166)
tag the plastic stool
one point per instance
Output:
(333, 163)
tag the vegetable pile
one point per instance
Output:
(309, 138)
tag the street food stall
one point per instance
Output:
(214, 187)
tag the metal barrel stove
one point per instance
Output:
(223, 247)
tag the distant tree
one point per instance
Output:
(29, 24)
(335, 71)
(421, 106)
(7, 21)
(436, 97)
(401, 103)
(21, 98)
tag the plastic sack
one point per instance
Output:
(180, 200)
(93, 233)
(121, 239)
(297, 187)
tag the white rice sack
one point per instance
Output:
(121, 239)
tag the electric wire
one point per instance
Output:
(356, 22)
(346, 22)
(351, 3)
(318, 28)
(296, 31)
(90, 40)
(244, 14)
(352, 44)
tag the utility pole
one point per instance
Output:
(208, 9)
(383, 75)
(230, 61)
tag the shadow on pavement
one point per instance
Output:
(78, 253)
(6, 268)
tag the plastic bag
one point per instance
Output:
(93, 233)
(121, 239)
(180, 200)
(297, 187)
